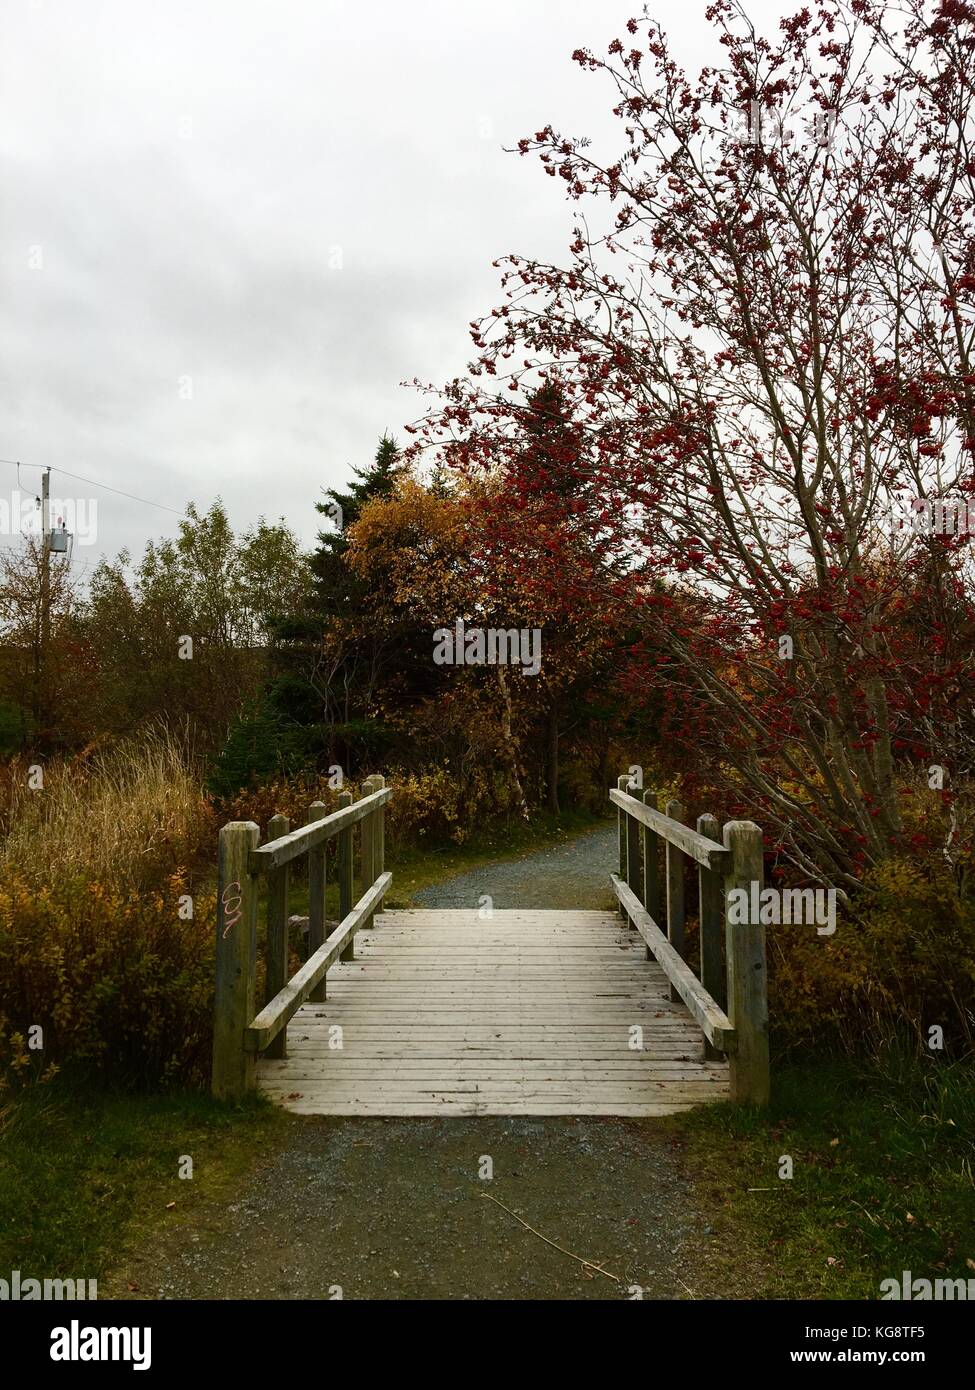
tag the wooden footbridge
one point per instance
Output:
(484, 1012)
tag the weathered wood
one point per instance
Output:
(701, 850)
(344, 873)
(622, 785)
(715, 1023)
(275, 1014)
(747, 983)
(709, 899)
(634, 866)
(233, 1063)
(317, 811)
(477, 1030)
(276, 944)
(368, 842)
(674, 878)
(378, 836)
(651, 865)
(298, 842)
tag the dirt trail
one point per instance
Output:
(400, 1209)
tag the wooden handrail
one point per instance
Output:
(715, 1023)
(239, 1035)
(287, 847)
(644, 895)
(703, 851)
(275, 1014)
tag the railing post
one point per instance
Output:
(674, 859)
(651, 868)
(233, 1006)
(276, 944)
(368, 845)
(709, 916)
(316, 897)
(745, 949)
(634, 869)
(344, 856)
(623, 785)
(379, 784)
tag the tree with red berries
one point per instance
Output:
(763, 337)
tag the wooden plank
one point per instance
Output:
(700, 849)
(438, 1018)
(716, 1025)
(306, 837)
(276, 945)
(287, 1001)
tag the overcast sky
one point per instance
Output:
(230, 228)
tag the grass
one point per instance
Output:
(882, 1156)
(124, 815)
(82, 1175)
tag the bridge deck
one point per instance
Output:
(528, 1013)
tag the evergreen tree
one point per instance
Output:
(324, 692)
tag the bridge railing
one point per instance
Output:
(238, 1033)
(729, 1000)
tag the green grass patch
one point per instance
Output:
(83, 1173)
(882, 1156)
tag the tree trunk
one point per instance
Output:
(552, 761)
(510, 750)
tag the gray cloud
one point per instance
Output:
(194, 172)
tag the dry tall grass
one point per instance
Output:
(122, 816)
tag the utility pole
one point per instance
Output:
(41, 702)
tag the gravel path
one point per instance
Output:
(574, 873)
(397, 1209)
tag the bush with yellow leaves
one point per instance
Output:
(902, 962)
(120, 983)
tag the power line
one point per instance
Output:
(146, 501)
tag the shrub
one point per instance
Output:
(121, 985)
(902, 960)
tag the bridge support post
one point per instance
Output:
(276, 948)
(674, 870)
(623, 785)
(709, 917)
(316, 897)
(371, 833)
(344, 856)
(233, 1006)
(651, 868)
(747, 971)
